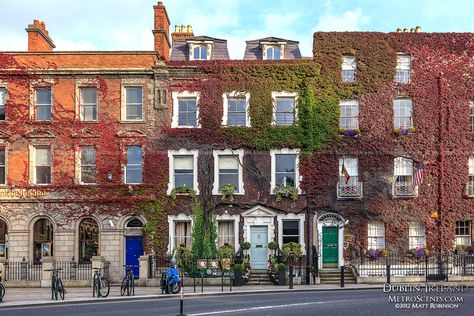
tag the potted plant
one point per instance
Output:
(238, 271)
(349, 132)
(273, 246)
(281, 274)
(227, 192)
(245, 245)
(182, 190)
(404, 130)
(285, 191)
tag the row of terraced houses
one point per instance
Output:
(86, 136)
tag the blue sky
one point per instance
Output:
(126, 24)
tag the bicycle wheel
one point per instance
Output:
(124, 286)
(95, 289)
(54, 290)
(2, 291)
(104, 287)
(60, 288)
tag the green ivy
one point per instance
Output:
(154, 231)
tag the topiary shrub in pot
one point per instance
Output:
(281, 274)
(238, 271)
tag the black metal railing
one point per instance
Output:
(73, 270)
(22, 271)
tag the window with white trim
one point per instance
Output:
(349, 66)
(88, 165)
(187, 112)
(199, 52)
(3, 101)
(88, 103)
(402, 113)
(133, 103)
(273, 53)
(351, 164)
(285, 170)
(225, 233)
(376, 235)
(470, 184)
(237, 111)
(403, 171)
(134, 166)
(43, 104)
(463, 233)
(228, 168)
(42, 167)
(349, 114)
(284, 108)
(416, 235)
(183, 234)
(403, 69)
(291, 231)
(3, 166)
(471, 115)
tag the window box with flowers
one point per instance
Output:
(376, 254)
(182, 190)
(288, 191)
(349, 132)
(404, 131)
(419, 252)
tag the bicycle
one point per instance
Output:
(128, 282)
(2, 288)
(100, 286)
(57, 287)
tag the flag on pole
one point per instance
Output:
(419, 172)
(344, 171)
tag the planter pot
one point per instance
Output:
(238, 280)
(282, 277)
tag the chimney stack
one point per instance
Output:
(38, 38)
(161, 31)
(182, 32)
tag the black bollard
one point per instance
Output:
(342, 276)
(291, 276)
(181, 304)
(388, 274)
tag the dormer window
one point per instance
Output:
(200, 52)
(273, 53)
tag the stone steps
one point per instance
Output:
(259, 277)
(333, 276)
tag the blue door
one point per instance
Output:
(133, 251)
(258, 250)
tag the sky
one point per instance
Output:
(127, 24)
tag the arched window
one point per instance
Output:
(3, 239)
(42, 239)
(88, 239)
(200, 52)
(273, 53)
(134, 223)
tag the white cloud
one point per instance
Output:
(346, 21)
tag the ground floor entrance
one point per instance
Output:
(330, 247)
(259, 246)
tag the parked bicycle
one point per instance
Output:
(100, 286)
(128, 282)
(57, 287)
(2, 288)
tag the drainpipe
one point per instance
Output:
(441, 156)
(308, 239)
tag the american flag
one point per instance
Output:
(419, 172)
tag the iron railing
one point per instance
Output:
(73, 270)
(404, 189)
(22, 271)
(351, 189)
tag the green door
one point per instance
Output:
(330, 247)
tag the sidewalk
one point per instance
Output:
(42, 296)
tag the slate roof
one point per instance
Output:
(180, 50)
(253, 50)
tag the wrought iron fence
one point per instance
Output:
(73, 270)
(22, 271)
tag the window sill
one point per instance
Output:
(186, 127)
(41, 122)
(87, 122)
(133, 122)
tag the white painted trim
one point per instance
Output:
(291, 216)
(182, 152)
(267, 45)
(337, 221)
(259, 216)
(194, 44)
(39, 84)
(5, 144)
(32, 163)
(284, 94)
(184, 94)
(283, 151)
(236, 219)
(85, 83)
(235, 94)
(172, 219)
(216, 154)
(130, 83)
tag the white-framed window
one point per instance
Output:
(284, 168)
(3, 165)
(88, 103)
(470, 183)
(185, 110)
(3, 101)
(134, 166)
(375, 235)
(402, 113)
(180, 231)
(471, 115)
(349, 67)
(351, 164)
(403, 174)
(273, 53)
(88, 165)
(236, 106)
(228, 170)
(133, 107)
(349, 114)
(285, 108)
(403, 69)
(43, 104)
(463, 233)
(225, 233)
(291, 229)
(183, 169)
(416, 235)
(200, 52)
(42, 164)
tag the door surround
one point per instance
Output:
(259, 216)
(330, 219)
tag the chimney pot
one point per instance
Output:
(177, 29)
(190, 28)
(399, 30)
(161, 31)
(405, 30)
(38, 38)
(418, 29)
(183, 28)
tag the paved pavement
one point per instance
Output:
(368, 302)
